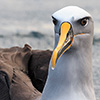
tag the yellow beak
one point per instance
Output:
(65, 42)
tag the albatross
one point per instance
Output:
(70, 69)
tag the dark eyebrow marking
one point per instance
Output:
(83, 18)
(54, 18)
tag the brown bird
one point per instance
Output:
(23, 73)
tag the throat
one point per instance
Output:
(70, 69)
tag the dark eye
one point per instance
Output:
(54, 21)
(84, 21)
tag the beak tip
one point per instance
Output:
(52, 68)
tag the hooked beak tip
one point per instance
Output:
(52, 68)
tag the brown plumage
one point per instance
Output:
(23, 73)
(38, 67)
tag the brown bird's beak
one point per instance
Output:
(65, 42)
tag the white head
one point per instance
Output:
(71, 22)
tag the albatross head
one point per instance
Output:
(70, 23)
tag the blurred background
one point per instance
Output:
(29, 21)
